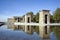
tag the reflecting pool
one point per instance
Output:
(7, 34)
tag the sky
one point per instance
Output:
(10, 8)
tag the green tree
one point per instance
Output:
(30, 13)
(37, 17)
(56, 15)
(51, 19)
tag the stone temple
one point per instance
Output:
(44, 18)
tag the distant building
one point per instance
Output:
(9, 25)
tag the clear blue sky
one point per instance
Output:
(9, 8)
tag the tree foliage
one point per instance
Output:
(31, 13)
(37, 17)
(56, 15)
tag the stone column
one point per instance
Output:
(41, 24)
(48, 22)
(25, 23)
(30, 25)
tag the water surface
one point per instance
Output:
(7, 34)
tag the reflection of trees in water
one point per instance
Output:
(56, 31)
(35, 29)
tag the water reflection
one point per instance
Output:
(52, 36)
(7, 34)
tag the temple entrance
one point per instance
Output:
(46, 19)
(28, 20)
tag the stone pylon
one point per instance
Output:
(44, 18)
(27, 20)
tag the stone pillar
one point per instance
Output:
(41, 26)
(42, 31)
(48, 22)
(25, 23)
